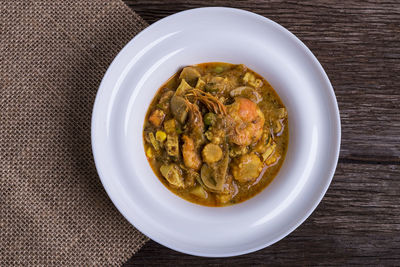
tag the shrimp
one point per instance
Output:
(190, 157)
(247, 122)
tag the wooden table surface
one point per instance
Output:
(358, 220)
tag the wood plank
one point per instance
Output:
(357, 42)
(357, 222)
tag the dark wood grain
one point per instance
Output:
(358, 221)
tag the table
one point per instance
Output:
(358, 221)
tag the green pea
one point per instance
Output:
(178, 130)
(219, 69)
(211, 88)
(210, 118)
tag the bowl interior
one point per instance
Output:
(154, 56)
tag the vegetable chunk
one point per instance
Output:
(189, 74)
(157, 117)
(179, 108)
(173, 174)
(211, 153)
(247, 168)
(199, 191)
(172, 145)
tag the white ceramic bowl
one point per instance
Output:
(205, 35)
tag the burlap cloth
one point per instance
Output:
(54, 210)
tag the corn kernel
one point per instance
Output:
(161, 136)
(149, 152)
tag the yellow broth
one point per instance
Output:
(251, 166)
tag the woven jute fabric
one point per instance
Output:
(53, 208)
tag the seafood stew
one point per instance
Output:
(216, 133)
